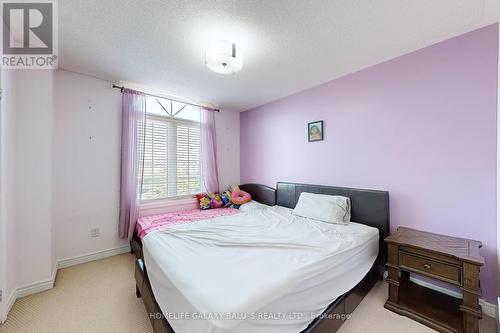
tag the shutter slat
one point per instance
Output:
(171, 149)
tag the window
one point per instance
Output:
(169, 142)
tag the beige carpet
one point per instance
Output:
(100, 297)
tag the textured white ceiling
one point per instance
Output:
(287, 45)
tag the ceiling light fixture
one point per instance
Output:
(223, 58)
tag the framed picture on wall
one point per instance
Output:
(315, 131)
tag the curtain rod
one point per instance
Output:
(158, 96)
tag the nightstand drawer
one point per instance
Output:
(433, 268)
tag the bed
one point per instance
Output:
(314, 293)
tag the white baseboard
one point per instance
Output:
(93, 256)
(26, 290)
(36, 287)
(8, 305)
(488, 308)
(40, 286)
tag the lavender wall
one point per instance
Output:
(422, 126)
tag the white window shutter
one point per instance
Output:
(172, 165)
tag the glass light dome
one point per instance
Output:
(223, 58)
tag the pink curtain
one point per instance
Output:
(208, 151)
(133, 116)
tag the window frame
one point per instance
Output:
(181, 199)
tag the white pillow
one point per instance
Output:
(322, 207)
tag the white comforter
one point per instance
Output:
(259, 271)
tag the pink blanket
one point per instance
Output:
(147, 224)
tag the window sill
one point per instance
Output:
(167, 206)
(167, 203)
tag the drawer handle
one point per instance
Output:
(427, 266)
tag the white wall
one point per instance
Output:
(228, 147)
(33, 107)
(87, 126)
(26, 183)
(8, 252)
(3, 226)
(497, 10)
(87, 164)
(10, 186)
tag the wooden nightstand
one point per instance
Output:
(443, 258)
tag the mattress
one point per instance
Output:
(264, 270)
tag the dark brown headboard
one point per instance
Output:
(370, 207)
(261, 193)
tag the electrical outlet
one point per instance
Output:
(95, 232)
